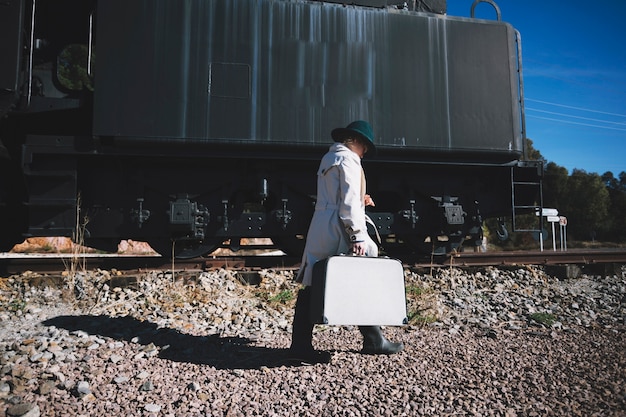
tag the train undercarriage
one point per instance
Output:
(187, 201)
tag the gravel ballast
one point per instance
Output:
(485, 342)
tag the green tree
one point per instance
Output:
(555, 187)
(586, 204)
(72, 69)
(615, 226)
(533, 154)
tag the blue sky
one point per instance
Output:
(574, 66)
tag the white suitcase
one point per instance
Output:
(358, 290)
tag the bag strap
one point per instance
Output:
(370, 221)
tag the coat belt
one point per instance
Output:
(326, 206)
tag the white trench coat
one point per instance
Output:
(339, 217)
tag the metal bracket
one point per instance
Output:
(477, 218)
(283, 216)
(382, 222)
(501, 231)
(225, 220)
(410, 215)
(264, 193)
(140, 216)
(453, 212)
(188, 218)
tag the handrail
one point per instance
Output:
(518, 41)
(493, 3)
(90, 46)
(30, 55)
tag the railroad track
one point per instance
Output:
(57, 263)
(563, 264)
(573, 256)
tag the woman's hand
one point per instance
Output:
(358, 248)
(369, 201)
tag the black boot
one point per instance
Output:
(302, 332)
(375, 343)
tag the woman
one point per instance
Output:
(338, 226)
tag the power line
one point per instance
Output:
(576, 117)
(575, 108)
(577, 123)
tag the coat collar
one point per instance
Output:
(343, 150)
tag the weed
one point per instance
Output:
(545, 319)
(75, 265)
(47, 248)
(415, 290)
(419, 305)
(417, 318)
(17, 305)
(282, 297)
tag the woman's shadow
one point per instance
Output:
(213, 350)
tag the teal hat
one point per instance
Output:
(360, 127)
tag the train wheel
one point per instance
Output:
(13, 217)
(182, 249)
(414, 248)
(438, 248)
(12, 225)
(291, 245)
(103, 244)
(400, 247)
(8, 241)
(9, 236)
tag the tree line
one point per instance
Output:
(594, 204)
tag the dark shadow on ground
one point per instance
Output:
(213, 350)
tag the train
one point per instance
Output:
(190, 123)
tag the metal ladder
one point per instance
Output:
(51, 178)
(525, 207)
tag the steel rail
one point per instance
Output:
(57, 263)
(572, 256)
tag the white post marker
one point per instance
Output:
(553, 220)
(552, 215)
(563, 224)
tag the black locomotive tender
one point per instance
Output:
(196, 122)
